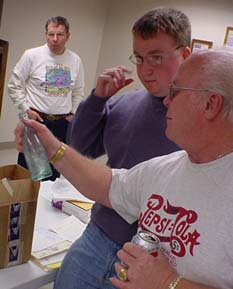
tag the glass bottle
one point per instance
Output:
(34, 153)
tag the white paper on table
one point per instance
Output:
(62, 189)
(53, 259)
(46, 190)
(44, 238)
(70, 228)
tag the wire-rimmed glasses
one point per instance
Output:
(152, 59)
(173, 90)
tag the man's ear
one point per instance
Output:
(68, 35)
(186, 52)
(213, 105)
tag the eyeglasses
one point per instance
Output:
(153, 59)
(58, 34)
(174, 90)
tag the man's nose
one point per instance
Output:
(146, 68)
(55, 37)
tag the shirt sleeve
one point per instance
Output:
(124, 194)
(17, 82)
(78, 90)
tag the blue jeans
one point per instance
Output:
(89, 263)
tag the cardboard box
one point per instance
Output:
(18, 201)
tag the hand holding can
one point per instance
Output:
(149, 242)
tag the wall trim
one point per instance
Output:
(7, 145)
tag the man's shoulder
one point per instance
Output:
(167, 160)
(172, 157)
(72, 53)
(35, 50)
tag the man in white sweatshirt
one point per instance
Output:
(48, 82)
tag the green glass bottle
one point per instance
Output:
(34, 153)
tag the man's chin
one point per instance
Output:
(156, 92)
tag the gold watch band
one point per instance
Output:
(59, 154)
(175, 283)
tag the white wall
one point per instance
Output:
(23, 25)
(100, 33)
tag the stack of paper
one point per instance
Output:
(68, 199)
(50, 245)
(49, 248)
(81, 210)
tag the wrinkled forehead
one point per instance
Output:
(53, 27)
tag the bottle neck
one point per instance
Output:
(23, 115)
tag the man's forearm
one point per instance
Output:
(17, 92)
(90, 178)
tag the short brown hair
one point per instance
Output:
(168, 20)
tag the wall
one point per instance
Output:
(209, 19)
(23, 26)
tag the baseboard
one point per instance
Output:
(7, 145)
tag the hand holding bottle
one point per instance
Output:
(34, 153)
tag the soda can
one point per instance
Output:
(147, 241)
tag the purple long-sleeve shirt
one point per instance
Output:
(129, 129)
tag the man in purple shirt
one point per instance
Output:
(129, 129)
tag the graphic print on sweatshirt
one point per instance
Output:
(172, 224)
(57, 80)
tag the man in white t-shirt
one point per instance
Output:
(48, 82)
(186, 197)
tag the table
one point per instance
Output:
(29, 275)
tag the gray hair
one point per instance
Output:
(58, 20)
(215, 69)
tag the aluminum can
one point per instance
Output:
(147, 241)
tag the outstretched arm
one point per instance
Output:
(90, 178)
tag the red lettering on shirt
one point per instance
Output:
(172, 224)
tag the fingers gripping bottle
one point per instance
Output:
(34, 153)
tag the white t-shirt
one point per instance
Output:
(50, 83)
(189, 207)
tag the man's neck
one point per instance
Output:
(212, 146)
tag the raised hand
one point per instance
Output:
(112, 80)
